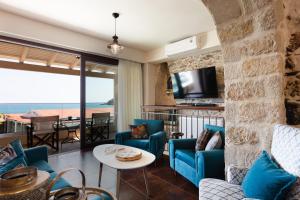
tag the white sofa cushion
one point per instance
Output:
(286, 148)
(235, 175)
(215, 189)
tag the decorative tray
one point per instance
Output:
(128, 154)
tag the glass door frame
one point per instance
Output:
(84, 58)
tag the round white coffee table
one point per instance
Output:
(109, 159)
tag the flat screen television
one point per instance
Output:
(199, 83)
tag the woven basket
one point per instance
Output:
(34, 189)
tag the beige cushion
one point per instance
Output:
(215, 142)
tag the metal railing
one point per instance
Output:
(191, 125)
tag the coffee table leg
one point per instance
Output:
(146, 182)
(100, 174)
(118, 183)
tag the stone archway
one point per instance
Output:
(253, 46)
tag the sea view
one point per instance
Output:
(12, 108)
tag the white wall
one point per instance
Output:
(25, 28)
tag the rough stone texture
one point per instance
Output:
(262, 66)
(235, 31)
(266, 19)
(240, 135)
(161, 97)
(220, 13)
(231, 52)
(292, 65)
(274, 86)
(245, 90)
(232, 71)
(209, 59)
(262, 45)
(249, 6)
(253, 51)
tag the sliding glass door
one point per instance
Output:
(97, 102)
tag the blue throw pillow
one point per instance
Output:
(17, 162)
(265, 180)
(16, 144)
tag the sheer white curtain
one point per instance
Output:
(129, 93)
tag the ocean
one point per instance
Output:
(11, 108)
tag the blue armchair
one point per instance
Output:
(157, 137)
(197, 165)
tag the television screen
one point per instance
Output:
(200, 83)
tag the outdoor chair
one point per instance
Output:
(98, 126)
(44, 130)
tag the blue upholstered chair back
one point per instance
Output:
(153, 126)
(214, 128)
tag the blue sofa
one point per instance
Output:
(157, 137)
(197, 165)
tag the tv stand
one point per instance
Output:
(204, 104)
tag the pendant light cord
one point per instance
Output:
(115, 26)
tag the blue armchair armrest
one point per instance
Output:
(36, 153)
(179, 144)
(122, 136)
(210, 164)
(157, 143)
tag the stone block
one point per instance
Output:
(244, 90)
(259, 46)
(241, 155)
(274, 86)
(230, 112)
(231, 52)
(249, 6)
(232, 71)
(262, 66)
(266, 19)
(252, 112)
(236, 30)
(240, 136)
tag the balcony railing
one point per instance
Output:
(187, 121)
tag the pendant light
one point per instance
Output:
(115, 47)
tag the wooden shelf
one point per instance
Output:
(182, 107)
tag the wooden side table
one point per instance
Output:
(176, 135)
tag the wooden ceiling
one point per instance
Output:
(26, 55)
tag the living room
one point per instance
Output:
(205, 99)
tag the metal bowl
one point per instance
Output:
(18, 177)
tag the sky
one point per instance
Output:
(37, 87)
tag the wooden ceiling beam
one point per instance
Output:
(23, 55)
(75, 63)
(53, 70)
(52, 59)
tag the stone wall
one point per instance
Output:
(161, 96)
(292, 64)
(214, 58)
(253, 51)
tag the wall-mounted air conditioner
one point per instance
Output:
(182, 46)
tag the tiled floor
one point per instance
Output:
(163, 183)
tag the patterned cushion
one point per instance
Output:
(7, 154)
(235, 175)
(139, 131)
(286, 148)
(215, 142)
(202, 140)
(215, 189)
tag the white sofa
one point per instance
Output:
(285, 151)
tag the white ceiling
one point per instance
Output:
(143, 24)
